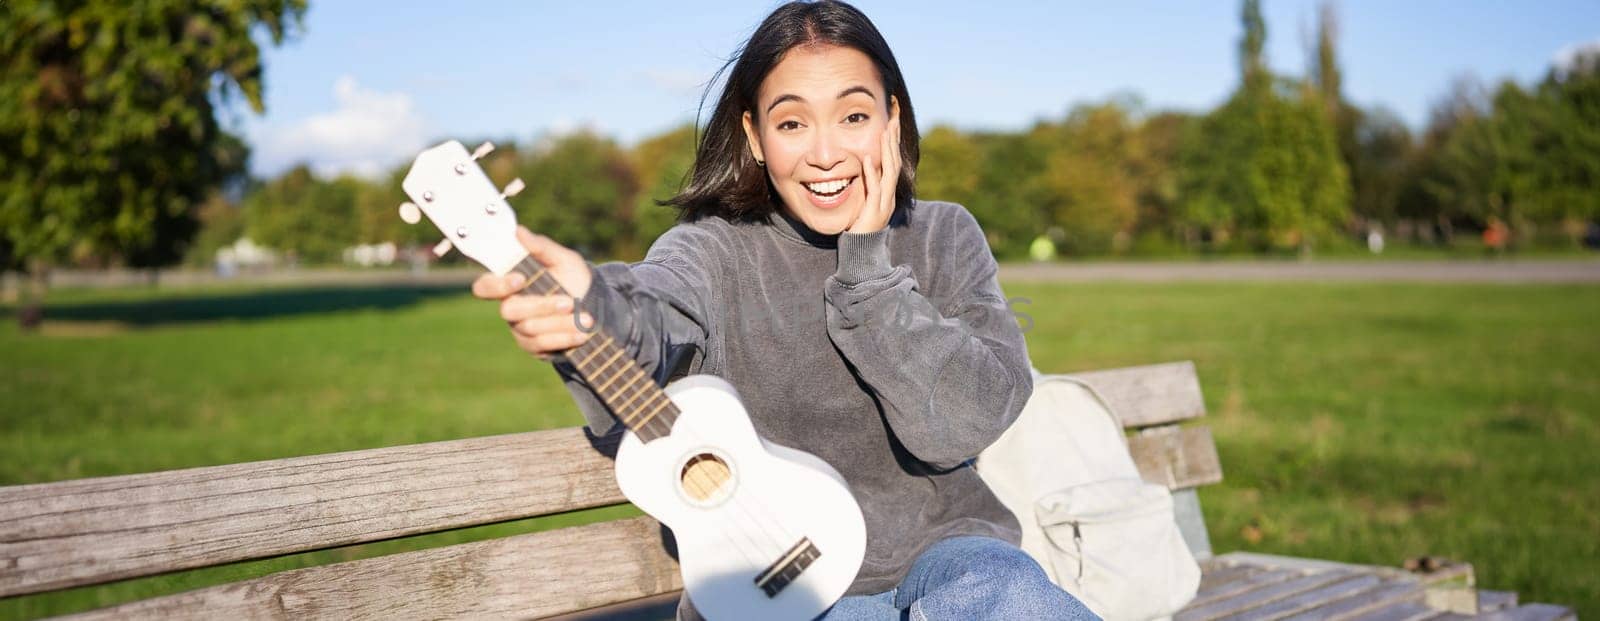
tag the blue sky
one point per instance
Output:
(367, 84)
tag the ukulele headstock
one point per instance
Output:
(446, 184)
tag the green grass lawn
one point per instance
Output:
(1358, 422)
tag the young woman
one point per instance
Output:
(858, 324)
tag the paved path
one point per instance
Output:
(1503, 271)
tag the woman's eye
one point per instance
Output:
(858, 117)
(788, 125)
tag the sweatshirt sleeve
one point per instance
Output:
(950, 374)
(657, 308)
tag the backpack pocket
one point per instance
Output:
(1115, 545)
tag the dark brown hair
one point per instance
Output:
(726, 180)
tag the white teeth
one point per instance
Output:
(828, 187)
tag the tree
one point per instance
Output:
(1156, 170)
(1374, 145)
(108, 137)
(1569, 139)
(1090, 190)
(310, 220)
(1380, 164)
(662, 164)
(1482, 155)
(1252, 63)
(949, 169)
(1326, 74)
(1516, 155)
(1010, 196)
(1266, 164)
(581, 192)
(221, 223)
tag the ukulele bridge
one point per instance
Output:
(788, 567)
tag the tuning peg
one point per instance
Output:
(441, 248)
(410, 213)
(512, 189)
(482, 150)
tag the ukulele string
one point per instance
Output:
(784, 535)
(701, 485)
(533, 272)
(697, 479)
(704, 485)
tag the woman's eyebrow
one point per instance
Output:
(842, 94)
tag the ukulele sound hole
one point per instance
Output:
(706, 478)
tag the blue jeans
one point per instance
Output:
(966, 578)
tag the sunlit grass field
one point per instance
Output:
(1359, 422)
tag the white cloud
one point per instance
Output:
(366, 134)
(1568, 55)
(674, 81)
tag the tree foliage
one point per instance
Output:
(581, 191)
(308, 219)
(1282, 164)
(1089, 183)
(662, 164)
(108, 137)
(947, 169)
(1265, 166)
(1010, 195)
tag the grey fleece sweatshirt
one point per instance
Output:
(891, 355)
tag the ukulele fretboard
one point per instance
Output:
(613, 375)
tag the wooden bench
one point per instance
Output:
(73, 533)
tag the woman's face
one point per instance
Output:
(821, 111)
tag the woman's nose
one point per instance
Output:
(826, 150)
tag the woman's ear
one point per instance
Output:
(754, 138)
(894, 109)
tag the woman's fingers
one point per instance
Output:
(492, 287)
(566, 265)
(519, 307)
(894, 143)
(891, 169)
(871, 177)
(546, 344)
(553, 324)
(541, 316)
(543, 249)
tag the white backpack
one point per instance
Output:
(1096, 527)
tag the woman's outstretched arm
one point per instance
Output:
(656, 309)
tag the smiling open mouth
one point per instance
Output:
(829, 188)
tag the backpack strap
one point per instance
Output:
(1106, 405)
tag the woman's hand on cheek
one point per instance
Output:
(880, 175)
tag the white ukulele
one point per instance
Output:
(764, 531)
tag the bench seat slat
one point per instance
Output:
(89, 531)
(1535, 612)
(1236, 587)
(1386, 594)
(522, 576)
(1214, 577)
(1266, 594)
(1406, 611)
(1312, 598)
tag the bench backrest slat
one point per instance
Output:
(522, 576)
(1150, 395)
(72, 533)
(1177, 457)
(89, 531)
